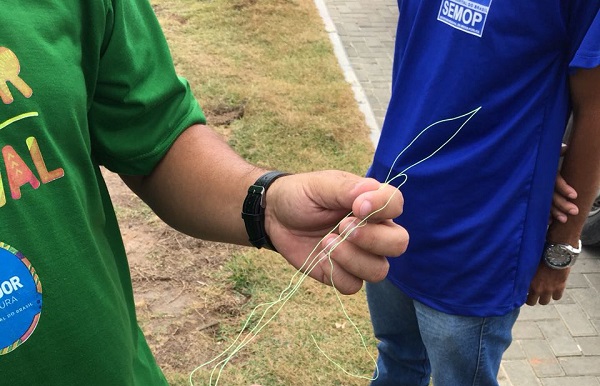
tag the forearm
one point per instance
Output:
(581, 164)
(199, 187)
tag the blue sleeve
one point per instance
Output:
(588, 54)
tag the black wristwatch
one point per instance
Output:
(253, 211)
(561, 256)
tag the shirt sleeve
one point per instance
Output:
(140, 105)
(588, 53)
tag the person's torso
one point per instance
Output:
(479, 104)
(66, 310)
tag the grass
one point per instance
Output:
(243, 274)
(265, 73)
(274, 59)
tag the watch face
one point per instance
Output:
(557, 256)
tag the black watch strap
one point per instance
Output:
(253, 211)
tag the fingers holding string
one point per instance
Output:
(380, 204)
(383, 238)
(345, 265)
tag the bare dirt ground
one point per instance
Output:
(177, 309)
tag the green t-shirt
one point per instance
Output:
(82, 84)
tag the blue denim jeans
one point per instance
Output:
(417, 342)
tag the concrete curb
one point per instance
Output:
(349, 74)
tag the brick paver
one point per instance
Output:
(554, 345)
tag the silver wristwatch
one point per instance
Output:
(560, 256)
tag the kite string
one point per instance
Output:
(311, 263)
(388, 181)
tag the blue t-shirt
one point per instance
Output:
(493, 77)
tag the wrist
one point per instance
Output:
(254, 207)
(573, 242)
(568, 233)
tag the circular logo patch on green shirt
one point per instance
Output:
(20, 299)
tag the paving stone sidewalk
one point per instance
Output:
(554, 345)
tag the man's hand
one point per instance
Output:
(302, 209)
(562, 200)
(547, 284)
(562, 205)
